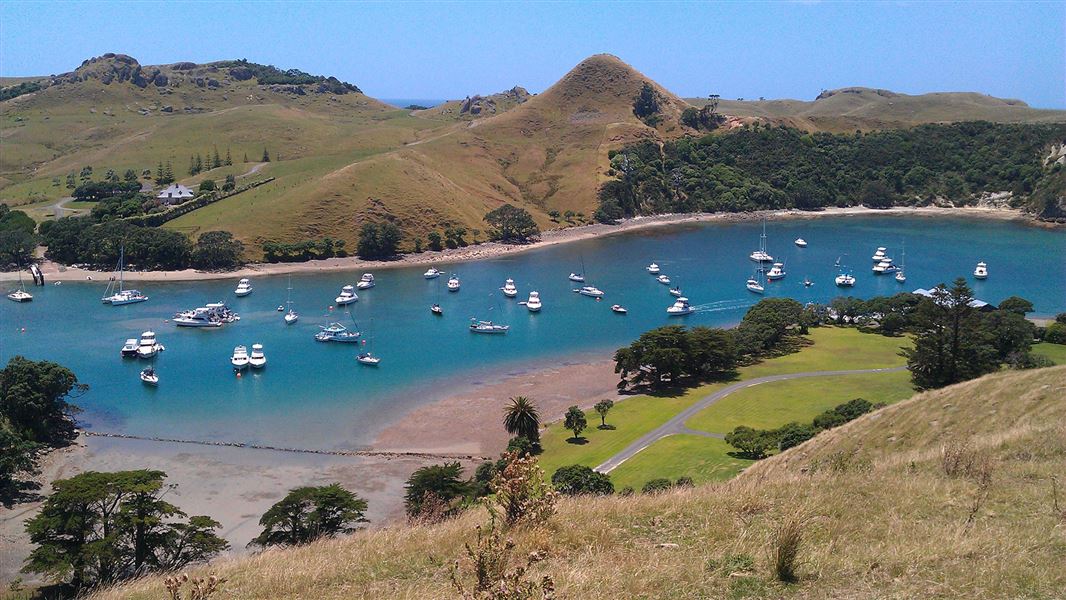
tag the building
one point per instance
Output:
(980, 305)
(175, 193)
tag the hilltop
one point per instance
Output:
(477, 106)
(851, 108)
(949, 494)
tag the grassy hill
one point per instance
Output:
(476, 106)
(946, 495)
(847, 109)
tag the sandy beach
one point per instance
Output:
(55, 272)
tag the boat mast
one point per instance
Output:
(121, 260)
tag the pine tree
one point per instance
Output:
(199, 163)
(159, 172)
(192, 165)
(229, 161)
(168, 174)
(216, 162)
(245, 157)
(266, 156)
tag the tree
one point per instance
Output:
(842, 413)
(377, 241)
(951, 344)
(207, 185)
(658, 485)
(216, 162)
(603, 407)
(513, 224)
(875, 194)
(98, 528)
(752, 443)
(18, 460)
(158, 173)
(130, 176)
(435, 241)
(229, 160)
(646, 104)
(215, 250)
(578, 479)
(168, 175)
(521, 418)
(442, 482)
(794, 434)
(309, 513)
(266, 156)
(765, 324)
(33, 401)
(575, 421)
(230, 183)
(1017, 305)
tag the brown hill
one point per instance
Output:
(476, 106)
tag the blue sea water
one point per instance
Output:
(315, 395)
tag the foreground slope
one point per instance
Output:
(946, 495)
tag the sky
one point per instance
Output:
(437, 50)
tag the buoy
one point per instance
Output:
(238, 374)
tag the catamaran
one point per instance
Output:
(347, 296)
(117, 296)
(680, 307)
(760, 255)
(258, 359)
(20, 295)
(981, 272)
(845, 278)
(509, 288)
(244, 287)
(292, 316)
(365, 282)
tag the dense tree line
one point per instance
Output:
(14, 91)
(17, 238)
(758, 443)
(378, 241)
(767, 167)
(269, 75)
(304, 251)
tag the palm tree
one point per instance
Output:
(521, 418)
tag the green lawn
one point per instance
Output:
(774, 404)
(833, 348)
(701, 458)
(1054, 352)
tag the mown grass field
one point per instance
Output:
(1056, 353)
(832, 348)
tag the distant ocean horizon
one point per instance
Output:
(405, 102)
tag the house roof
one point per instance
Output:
(975, 303)
(176, 190)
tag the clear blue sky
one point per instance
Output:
(449, 50)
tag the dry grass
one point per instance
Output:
(898, 527)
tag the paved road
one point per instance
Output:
(676, 425)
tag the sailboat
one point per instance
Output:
(479, 326)
(760, 255)
(900, 276)
(579, 277)
(20, 295)
(117, 296)
(291, 316)
(365, 357)
(845, 279)
(754, 283)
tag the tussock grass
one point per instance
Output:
(899, 527)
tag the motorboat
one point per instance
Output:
(244, 287)
(347, 296)
(879, 255)
(129, 349)
(335, 332)
(590, 291)
(885, 266)
(365, 282)
(281, 308)
(366, 358)
(619, 309)
(509, 288)
(681, 307)
(487, 327)
(845, 280)
(663, 279)
(802, 243)
(453, 283)
(981, 272)
(432, 273)
(753, 285)
(676, 291)
(149, 377)
(777, 271)
(116, 294)
(533, 302)
(653, 269)
(148, 346)
(199, 317)
(437, 310)
(257, 360)
(761, 255)
(807, 282)
(220, 311)
(239, 360)
(577, 278)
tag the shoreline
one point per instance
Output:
(55, 272)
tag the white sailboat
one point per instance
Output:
(754, 283)
(760, 255)
(149, 377)
(900, 275)
(366, 357)
(20, 294)
(579, 277)
(292, 316)
(117, 296)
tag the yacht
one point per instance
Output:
(116, 294)
(681, 307)
(533, 303)
(760, 255)
(365, 282)
(653, 268)
(487, 327)
(437, 310)
(879, 255)
(220, 311)
(244, 287)
(199, 317)
(845, 280)
(577, 278)
(663, 279)
(900, 276)
(802, 243)
(347, 296)
(453, 283)
(336, 332)
(20, 295)
(368, 359)
(509, 289)
(777, 271)
(257, 360)
(885, 266)
(619, 309)
(981, 272)
(754, 283)
(148, 346)
(292, 316)
(590, 291)
(432, 273)
(149, 377)
(676, 291)
(807, 282)
(129, 349)
(239, 360)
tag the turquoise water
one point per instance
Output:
(315, 395)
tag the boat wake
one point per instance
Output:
(723, 305)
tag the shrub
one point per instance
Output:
(655, 486)
(1055, 333)
(579, 479)
(521, 495)
(788, 540)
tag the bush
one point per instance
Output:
(579, 479)
(655, 486)
(685, 482)
(1055, 333)
(794, 434)
(752, 443)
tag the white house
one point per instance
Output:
(176, 191)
